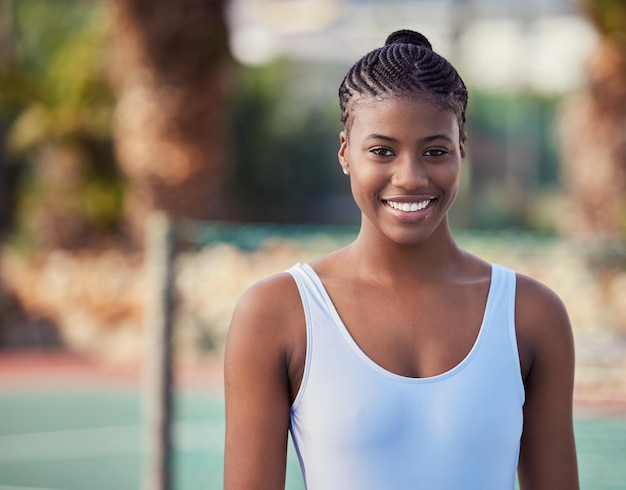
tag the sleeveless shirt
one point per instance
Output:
(356, 425)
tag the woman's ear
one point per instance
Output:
(343, 147)
(462, 143)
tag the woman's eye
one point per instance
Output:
(382, 152)
(435, 152)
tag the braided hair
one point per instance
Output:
(405, 65)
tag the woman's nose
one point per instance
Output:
(410, 173)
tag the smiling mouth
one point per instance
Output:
(408, 207)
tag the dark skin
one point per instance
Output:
(412, 300)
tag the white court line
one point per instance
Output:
(69, 444)
(103, 441)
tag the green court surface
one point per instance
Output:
(90, 438)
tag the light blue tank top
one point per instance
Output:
(357, 426)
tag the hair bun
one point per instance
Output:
(406, 36)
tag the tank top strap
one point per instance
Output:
(504, 289)
(314, 297)
(321, 325)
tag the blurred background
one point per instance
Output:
(223, 116)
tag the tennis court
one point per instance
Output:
(91, 439)
(84, 433)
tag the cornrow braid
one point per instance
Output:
(406, 64)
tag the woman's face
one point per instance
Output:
(403, 155)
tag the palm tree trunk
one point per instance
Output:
(172, 71)
(592, 131)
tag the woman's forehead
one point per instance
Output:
(369, 109)
(372, 109)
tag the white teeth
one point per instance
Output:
(409, 207)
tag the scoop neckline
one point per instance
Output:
(386, 372)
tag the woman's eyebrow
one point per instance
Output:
(438, 137)
(376, 136)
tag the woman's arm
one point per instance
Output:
(257, 385)
(548, 452)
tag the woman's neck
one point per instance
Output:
(375, 255)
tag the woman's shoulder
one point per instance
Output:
(267, 326)
(269, 300)
(542, 322)
(537, 301)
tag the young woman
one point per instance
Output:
(401, 361)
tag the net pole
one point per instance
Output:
(158, 379)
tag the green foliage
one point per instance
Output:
(285, 140)
(55, 96)
(514, 161)
(57, 86)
